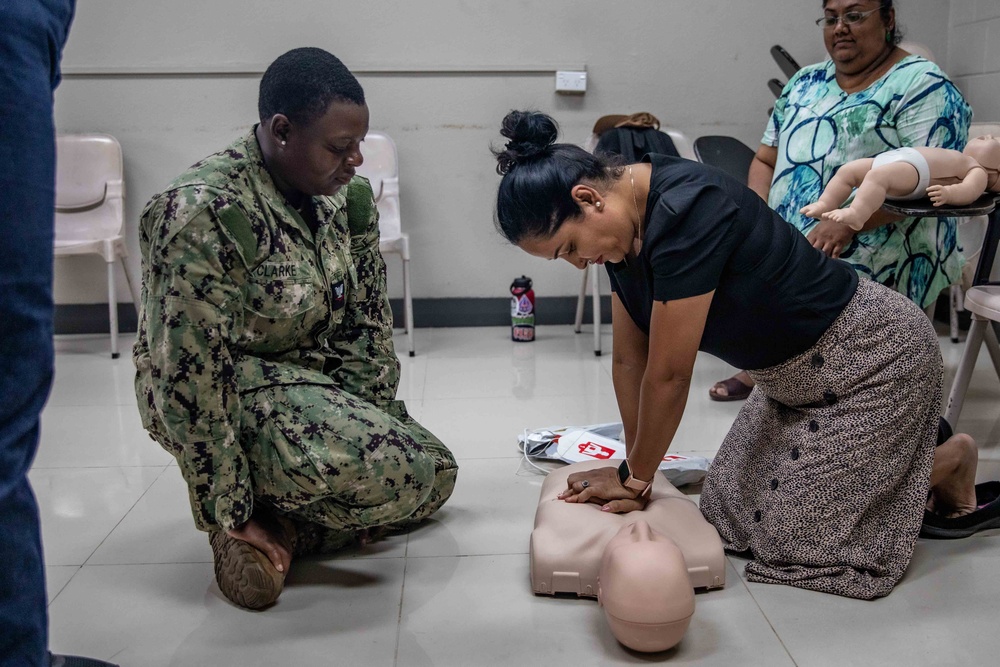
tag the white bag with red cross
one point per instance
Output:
(598, 443)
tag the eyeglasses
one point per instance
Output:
(850, 18)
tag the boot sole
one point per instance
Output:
(243, 573)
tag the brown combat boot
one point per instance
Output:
(244, 574)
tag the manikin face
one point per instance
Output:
(321, 157)
(854, 47)
(601, 233)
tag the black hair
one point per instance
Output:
(884, 7)
(534, 197)
(302, 83)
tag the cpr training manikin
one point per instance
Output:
(642, 566)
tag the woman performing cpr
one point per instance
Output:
(827, 472)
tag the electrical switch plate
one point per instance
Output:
(571, 82)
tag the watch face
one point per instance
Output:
(623, 472)
(630, 482)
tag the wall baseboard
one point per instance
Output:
(92, 318)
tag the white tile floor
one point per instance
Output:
(130, 579)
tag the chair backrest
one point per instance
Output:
(681, 142)
(89, 186)
(918, 50)
(786, 62)
(634, 142)
(381, 167)
(726, 153)
(979, 129)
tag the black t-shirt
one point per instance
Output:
(775, 294)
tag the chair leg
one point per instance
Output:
(964, 373)
(408, 307)
(955, 303)
(113, 310)
(131, 285)
(578, 324)
(993, 345)
(595, 289)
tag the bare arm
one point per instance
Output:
(762, 170)
(676, 328)
(630, 348)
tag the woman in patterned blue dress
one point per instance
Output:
(870, 97)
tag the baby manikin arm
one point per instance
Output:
(644, 588)
(962, 193)
(568, 540)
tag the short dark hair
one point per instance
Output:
(302, 83)
(535, 195)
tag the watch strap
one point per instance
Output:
(629, 481)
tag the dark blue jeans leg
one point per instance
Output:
(32, 34)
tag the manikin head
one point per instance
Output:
(986, 151)
(644, 589)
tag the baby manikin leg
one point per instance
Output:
(838, 189)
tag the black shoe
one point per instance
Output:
(987, 516)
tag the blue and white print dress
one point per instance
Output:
(817, 128)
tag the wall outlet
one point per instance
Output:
(571, 82)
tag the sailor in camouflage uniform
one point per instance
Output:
(264, 354)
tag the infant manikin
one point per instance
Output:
(945, 176)
(644, 589)
(577, 549)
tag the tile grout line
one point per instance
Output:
(762, 613)
(129, 511)
(402, 592)
(399, 615)
(63, 587)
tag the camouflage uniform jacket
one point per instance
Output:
(237, 294)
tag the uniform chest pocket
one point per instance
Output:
(282, 290)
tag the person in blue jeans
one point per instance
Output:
(32, 35)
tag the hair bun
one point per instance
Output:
(530, 133)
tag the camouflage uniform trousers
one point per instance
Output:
(337, 465)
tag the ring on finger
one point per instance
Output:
(585, 483)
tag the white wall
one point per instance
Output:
(176, 81)
(974, 55)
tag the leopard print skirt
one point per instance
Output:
(824, 475)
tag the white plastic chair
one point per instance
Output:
(983, 301)
(685, 149)
(90, 201)
(381, 167)
(918, 49)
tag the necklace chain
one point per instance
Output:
(635, 201)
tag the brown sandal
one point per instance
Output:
(736, 390)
